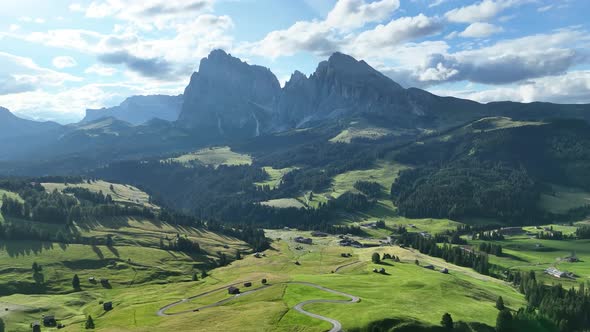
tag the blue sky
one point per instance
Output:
(59, 57)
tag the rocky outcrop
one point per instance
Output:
(345, 87)
(228, 97)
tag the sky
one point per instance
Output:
(60, 57)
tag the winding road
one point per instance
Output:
(336, 325)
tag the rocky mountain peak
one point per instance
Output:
(228, 96)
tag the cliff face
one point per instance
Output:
(345, 87)
(228, 97)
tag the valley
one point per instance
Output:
(340, 201)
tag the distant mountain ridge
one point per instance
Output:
(228, 100)
(140, 109)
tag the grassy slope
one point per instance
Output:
(383, 173)
(284, 203)
(564, 199)
(215, 156)
(382, 296)
(139, 268)
(120, 193)
(523, 253)
(276, 175)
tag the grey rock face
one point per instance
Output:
(228, 97)
(343, 86)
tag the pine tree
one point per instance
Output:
(238, 255)
(203, 274)
(447, 321)
(89, 323)
(195, 276)
(376, 258)
(76, 282)
(503, 321)
(2, 325)
(500, 303)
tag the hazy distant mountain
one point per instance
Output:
(13, 126)
(228, 97)
(18, 136)
(140, 109)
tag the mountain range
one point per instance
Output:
(229, 100)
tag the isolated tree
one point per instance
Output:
(447, 321)
(417, 262)
(500, 303)
(89, 323)
(238, 254)
(2, 325)
(76, 282)
(109, 240)
(376, 258)
(36, 267)
(112, 188)
(195, 276)
(503, 321)
(203, 274)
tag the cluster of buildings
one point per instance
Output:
(559, 274)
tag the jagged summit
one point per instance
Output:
(229, 96)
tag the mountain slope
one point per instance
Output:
(495, 168)
(13, 126)
(18, 137)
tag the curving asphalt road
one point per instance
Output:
(336, 325)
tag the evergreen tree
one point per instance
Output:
(195, 277)
(2, 325)
(447, 321)
(203, 274)
(500, 303)
(504, 321)
(89, 323)
(238, 255)
(76, 282)
(376, 258)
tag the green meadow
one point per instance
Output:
(121, 193)
(214, 156)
